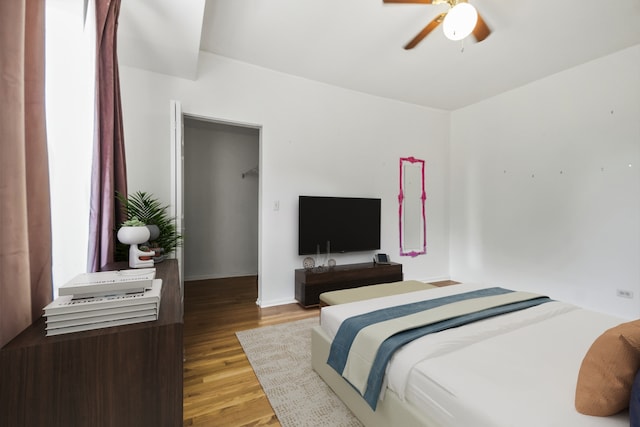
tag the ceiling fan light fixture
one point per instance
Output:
(460, 21)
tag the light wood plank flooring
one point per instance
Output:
(220, 387)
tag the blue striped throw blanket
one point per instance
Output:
(364, 344)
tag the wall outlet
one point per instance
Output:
(624, 293)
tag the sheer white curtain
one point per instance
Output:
(70, 87)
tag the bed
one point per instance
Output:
(517, 369)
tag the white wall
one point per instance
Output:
(316, 139)
(545, 186)
(221, 207)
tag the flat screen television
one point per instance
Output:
(349, 224)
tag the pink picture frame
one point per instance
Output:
(412, 198)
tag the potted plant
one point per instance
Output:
(152, 213)
(134, 232)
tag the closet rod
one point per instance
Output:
(253, 171)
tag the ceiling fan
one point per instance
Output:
(458, 22)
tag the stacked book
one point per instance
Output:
(104, 299)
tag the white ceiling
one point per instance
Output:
(357, 44)
(161, 35)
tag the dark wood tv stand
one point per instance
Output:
(312, 282)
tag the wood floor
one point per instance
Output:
(220, 387)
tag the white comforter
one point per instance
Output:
(518, 369)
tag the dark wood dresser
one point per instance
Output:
(121, 376)
(309, 284)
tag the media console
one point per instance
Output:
(310, 283)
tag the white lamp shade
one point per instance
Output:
(460, 21)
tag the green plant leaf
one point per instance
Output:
(149, 210)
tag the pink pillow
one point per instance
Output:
(608, 370)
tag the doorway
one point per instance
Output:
(221, 192)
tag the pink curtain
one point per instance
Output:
(109, 171)
(25, 219)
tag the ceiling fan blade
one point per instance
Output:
(481, 31)
(425, 31)
(408, 1)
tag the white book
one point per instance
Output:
(108, 283)
(101, 312)
(100, 325)
(55, 324)
(67, 304)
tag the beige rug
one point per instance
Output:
(281, 358)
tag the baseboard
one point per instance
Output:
(265, 304)
(218, 276)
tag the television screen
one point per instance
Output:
(349, 224)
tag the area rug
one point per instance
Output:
(281, 358)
